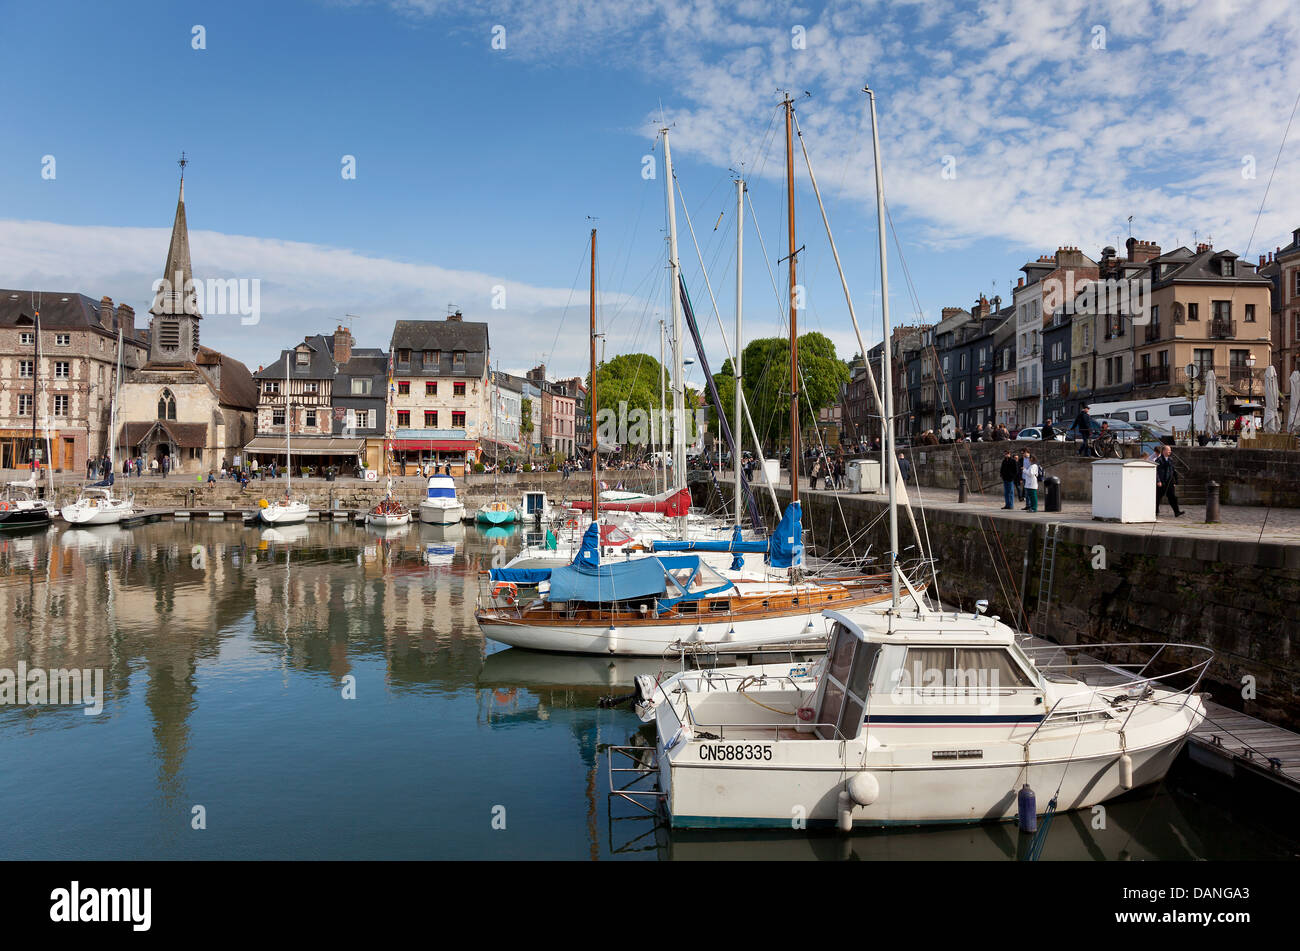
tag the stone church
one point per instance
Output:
(186, 401)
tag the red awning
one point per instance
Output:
(435, 445)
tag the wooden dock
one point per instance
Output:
(230, 515)
(1228, 741)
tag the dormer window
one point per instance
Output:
(1227, 267)
(303, 358)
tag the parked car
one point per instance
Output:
(1035, 434)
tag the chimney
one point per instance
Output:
(126, 319)
(1261, 264)
(1139, 252)
(1020, 282)
(456, 316)
(1203, 247)
(106, 313)
(342, 345)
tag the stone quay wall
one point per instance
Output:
(1244, 476)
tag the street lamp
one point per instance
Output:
(1192, 370)
(1250, 376)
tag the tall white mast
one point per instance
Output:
(112, 416)
(735, 362)
(679, 382)
(886, 373)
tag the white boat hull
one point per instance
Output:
(388, 521)
(104, 513)
(909, 794)
(291, 514)
(441, 514)
(651, 640)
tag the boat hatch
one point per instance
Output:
(842, 692)
(534, 502)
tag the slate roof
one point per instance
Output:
(185, 435)
(59, 311)
(319, 367)
(1202, 267)
(446, 336)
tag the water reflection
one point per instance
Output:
(230, 654)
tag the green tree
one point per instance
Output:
(767, 383)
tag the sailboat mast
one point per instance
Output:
(679, 383)
(735, 363)
(662, 464)
(112, 416)
(886, 374)
(591, 397)
(36, 379)
(288, 430)
(794, 309)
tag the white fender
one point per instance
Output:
(864, 788)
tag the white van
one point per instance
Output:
(1173, 412)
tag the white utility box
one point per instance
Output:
(864, 475)
(772, 471)
(1124, 490)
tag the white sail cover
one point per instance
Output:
(1293, 418)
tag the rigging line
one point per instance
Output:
(572, 290)
(1277, 159)
(875, 391)
(730, 356)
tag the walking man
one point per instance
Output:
(1083, 423)
(1008, 474)
(905, 468)
(1166, 479)
(1032, 472)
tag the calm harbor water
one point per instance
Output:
(228, 654)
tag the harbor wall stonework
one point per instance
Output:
(1244, 476)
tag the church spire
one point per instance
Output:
(178, 271)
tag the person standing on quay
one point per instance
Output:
(1032, 472)
(1166, 479)
(1008, 474)
(1083, 423)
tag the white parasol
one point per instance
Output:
(1271, 421)
(1293, 418)
(1212, 424)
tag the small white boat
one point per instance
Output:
(285, 511)
(440, 506)
(941, 718)
(389, 513)
(97, 506)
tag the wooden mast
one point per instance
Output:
(591, 397)
(794, 310)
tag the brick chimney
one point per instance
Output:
(1139, 252)
(1203, 247)
(106, 313)
(456, 316)
(126, 319)
(342, 345)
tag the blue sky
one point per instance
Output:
(478, 167)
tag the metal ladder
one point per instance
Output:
(1047, 570)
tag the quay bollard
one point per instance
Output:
(961, 489)
(1211, 502)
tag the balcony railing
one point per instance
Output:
(1149, 376)
(1025, 391)
(1152, 333)
(1223, 330)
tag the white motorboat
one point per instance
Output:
(440, 506)
(97, 506)
(941, 718)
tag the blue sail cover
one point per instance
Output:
(589, 552)
(734, 544)
(786, 550)
(619, 581)
(521, 575)
(105, 483)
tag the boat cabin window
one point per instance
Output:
(844, 687)
(932, 670)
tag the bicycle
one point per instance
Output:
(1105, 447)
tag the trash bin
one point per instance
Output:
(1052, 494)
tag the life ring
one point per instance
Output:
(506, 591)
(4, 506)
(571, 523)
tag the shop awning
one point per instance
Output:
(435, 445)
(308, 445)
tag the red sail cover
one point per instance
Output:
(674, 503)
